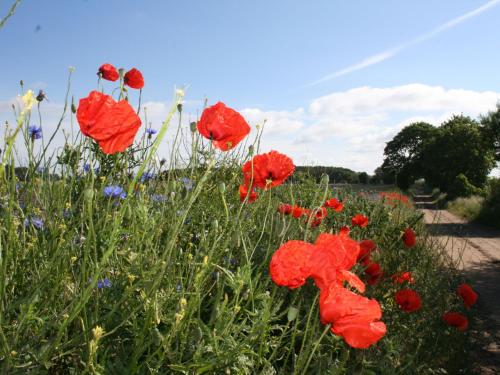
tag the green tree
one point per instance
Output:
(459, 147)
(491, 129)
(363, 178)
(403, 161)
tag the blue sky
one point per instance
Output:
(260, 57)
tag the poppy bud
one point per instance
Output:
(73, 106)
(250, 150)
(292, 313)
(192, 126)
(21, 82)
(179, 107)
(222, 187)
(215, 224)
(325, 179)
(162, 162)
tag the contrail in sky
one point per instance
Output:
(391, 52)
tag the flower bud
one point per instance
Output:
(325, 179)
(73, 105)
(222, 187)
(215, 224)
(250, 150)
(193, 126)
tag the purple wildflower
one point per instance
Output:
(35, 132)
(114, 191)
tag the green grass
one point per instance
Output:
(188, 265)
(467, 208)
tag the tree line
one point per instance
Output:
(458, 155)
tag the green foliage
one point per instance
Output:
(491, 125)
(335, 174)
(468, 208)
(461, 187)
(490, 212)
(405, 152)
(459, 146)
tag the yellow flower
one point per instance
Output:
(29, 100)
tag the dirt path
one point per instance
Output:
(475, 250)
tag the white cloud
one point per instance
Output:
(350, 128)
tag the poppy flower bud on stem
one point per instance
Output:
(73, 106)
(179, 107)
(192, 126)
(222, 187)
(215, 224)
(250, 150)
(325, 179)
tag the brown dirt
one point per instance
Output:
(475, 251)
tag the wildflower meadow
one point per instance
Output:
(213, 261)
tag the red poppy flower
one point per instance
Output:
(223, 125)
(108, 72)
(409, 237)
(374, 272)
(332, 253)
(290, 264)
(408, 300)
(297, 211)
(134, 79)
(334, 204)
(468, 295)
(366, 248)
(345, 230)
(113, 125)
(360, 220)
(405, 277)
(354, 317)
(268, 170)
(457, 320)
(244, 192)
(285, 209)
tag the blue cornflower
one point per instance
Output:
(114, 191)
(151, 131)
(35, 132)
(35, 221)
(188, 184)
(105, 283)
(146, 176)
(86, 168)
